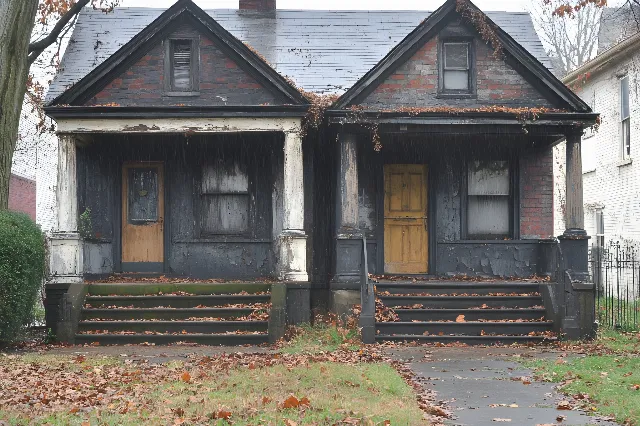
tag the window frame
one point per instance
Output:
(451, 93)
(599, 226)
(625, 121)
(513, 212)
(194, 86)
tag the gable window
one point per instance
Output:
(181, 67)
(455, 68)
(625, 119)
(224, 198)
(488, 199)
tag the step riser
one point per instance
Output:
(469, 340)
(162, 314)
(141, 289)
(175, 326)
(458, 288)
(179, 302)
(203, 339)
(469, 314)
(461, 328)
(460, 302)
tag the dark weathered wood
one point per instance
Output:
(348, 183)
(574, 196)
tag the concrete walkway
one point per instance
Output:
(484, 386)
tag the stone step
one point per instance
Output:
(461, 302)
(164, 313)
(469, 340)
(469, 314)
(470, 328)
(457, 287)
(151, 288)
(165, 339)
(174, 301)
(196, 327)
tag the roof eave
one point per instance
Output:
(115, 112)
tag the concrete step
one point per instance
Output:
(408, 315)
(197, 327)
(150, 288)
(164, 313)
(457, 287)
(165, 339)
(469, 340)
(173, 301)
(460, 302)
(470, 328)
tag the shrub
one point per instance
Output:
(22, 256)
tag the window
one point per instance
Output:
(600, 227)
(625, 118)
(456, 68)
(224, 198)
(488, 200)
(143, 195)
(181, 67)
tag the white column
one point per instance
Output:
(293, 241)
(66, 251)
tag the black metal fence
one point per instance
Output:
(615, 269)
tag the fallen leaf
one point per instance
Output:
(186, 377)
(564, 405)
(501, 420)
(460, 318)
(291, 402)
(288, 422)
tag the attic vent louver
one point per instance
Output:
(181, 65)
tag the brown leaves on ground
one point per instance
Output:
(293, 402)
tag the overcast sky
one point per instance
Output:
(511, 5)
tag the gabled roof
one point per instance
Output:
(322, 51)
(135, 48)
(514, 53)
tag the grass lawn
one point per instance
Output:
(317, 380)
(605, 381)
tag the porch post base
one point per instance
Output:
(293, 256)
(348, 261)
(66, 259)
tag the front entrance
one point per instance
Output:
(143, 217)
(406, 247)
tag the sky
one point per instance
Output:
(510, 5)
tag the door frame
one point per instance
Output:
(431, 211)
(121, 209)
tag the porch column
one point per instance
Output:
(577, 298)
(293, 240)
(65, 257)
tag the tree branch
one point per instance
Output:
(36, 48)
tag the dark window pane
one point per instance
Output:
(224, 177)
(488, 216)
(456, 56)
(225, 214)
(143, 195)
(456, 80)
(624, 98)
(181, 64)
(626, 138)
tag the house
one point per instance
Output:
(22, 195)
(608, 83)
(309, 147)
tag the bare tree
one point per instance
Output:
(570, 39)
(20, 47)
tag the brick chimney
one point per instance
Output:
(261, 5)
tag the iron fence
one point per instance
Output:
(615, 269)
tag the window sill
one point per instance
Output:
(181, 94)
(445, 95)
(625, 162)
(584, 172)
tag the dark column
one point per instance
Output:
(577, 301)
(348, 238)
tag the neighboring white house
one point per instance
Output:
(610, 83)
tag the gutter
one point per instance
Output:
(603, 59)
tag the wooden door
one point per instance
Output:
(406, 237)
(143, 217)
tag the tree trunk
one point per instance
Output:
(17, 18)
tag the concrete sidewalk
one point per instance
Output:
(484, 386)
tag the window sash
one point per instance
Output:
(626, 138)
(489, 200)
(181, 65)
(447, 66)
(624, 98)
(225, 214)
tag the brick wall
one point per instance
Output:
(22, 195)
(536, 194)
(222, 81)
(415, 83)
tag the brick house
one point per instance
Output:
(256, 146)
(22, 195)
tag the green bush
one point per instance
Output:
(22, 257)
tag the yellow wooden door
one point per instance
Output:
(143, 217)
(406, 249)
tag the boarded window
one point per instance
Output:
(225, 198)
(456, 67)
(625, 118)
(488, 212)
(181, 65)
(143, 195)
